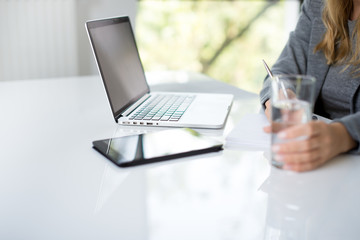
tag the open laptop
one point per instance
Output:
(132, 103)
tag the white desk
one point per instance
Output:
(53, 185)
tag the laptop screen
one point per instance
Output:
(118, 61)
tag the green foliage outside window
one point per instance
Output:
(224, 39)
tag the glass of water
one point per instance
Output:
(292, 102)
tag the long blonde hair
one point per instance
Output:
(337, 42)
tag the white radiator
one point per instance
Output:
(38, 39)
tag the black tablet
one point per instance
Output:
(155, 146)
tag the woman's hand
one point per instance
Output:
(267, 109)
(320, 142)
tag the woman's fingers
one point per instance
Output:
(307, 146)
(304, 146)
(267, 129)
(303, 166)
(274, 127)
(268, 109)
(297, 157)
(297, 146)
(310, 129)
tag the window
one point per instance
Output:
(225, 40)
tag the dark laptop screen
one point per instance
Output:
(118, 60)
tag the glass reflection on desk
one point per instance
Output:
(321, 204)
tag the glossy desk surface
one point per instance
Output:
(53, 185)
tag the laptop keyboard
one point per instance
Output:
(163, 108)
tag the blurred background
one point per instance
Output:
(225, 40)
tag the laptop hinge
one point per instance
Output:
(134, 106)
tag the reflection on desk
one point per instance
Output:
(321, 204)
(55, 186)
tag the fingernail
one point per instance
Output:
(275, 148)
(287, 167)
(281, 135)
(278, 158)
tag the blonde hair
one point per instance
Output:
(337, 42)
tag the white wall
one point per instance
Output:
(94, 9)
(47, 38)
(32, 34)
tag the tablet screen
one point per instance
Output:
(155, 146)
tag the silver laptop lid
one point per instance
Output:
(118, 61)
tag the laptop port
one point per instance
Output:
(135, 123)
(149, 123)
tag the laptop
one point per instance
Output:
(118, 60)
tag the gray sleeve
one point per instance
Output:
(293, 58)
(352, 125)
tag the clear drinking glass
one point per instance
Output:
(292, 102)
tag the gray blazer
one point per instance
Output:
(297, 57)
